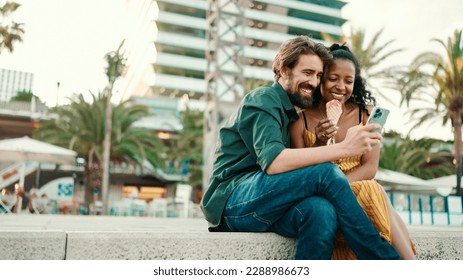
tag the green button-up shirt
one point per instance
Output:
(248, 142)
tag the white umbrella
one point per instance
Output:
(397, 178)
(445, 184)
(26, 149)
(398, 181)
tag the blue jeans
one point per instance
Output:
(309, 204)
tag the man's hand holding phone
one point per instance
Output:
(360, 139)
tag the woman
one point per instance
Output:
(342, 81)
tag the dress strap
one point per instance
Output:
(305, 120)
(360, 115)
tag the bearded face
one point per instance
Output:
(302, 96)
(300, 82)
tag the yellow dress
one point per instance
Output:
(370, 197)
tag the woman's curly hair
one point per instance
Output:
(360, 95)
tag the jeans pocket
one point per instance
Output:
(249, 222)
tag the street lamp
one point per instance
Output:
(57, 93)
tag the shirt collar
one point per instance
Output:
(287, 106)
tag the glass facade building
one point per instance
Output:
(166, 42)
(11, 82)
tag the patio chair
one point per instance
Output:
(39, 205)
(158, 207)
(7, 201)
(183, 199)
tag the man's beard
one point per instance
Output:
(297, 99)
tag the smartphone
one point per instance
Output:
(378, 115)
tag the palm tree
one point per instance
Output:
(416, 158)
(185, 152)
(25, 96)
(9, 34)
(80, 126)
(371, 56)
(439, 81)
(115, 65)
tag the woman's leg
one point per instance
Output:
(400, 238)
(261, 200)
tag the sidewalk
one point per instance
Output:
(131, 223)
(33, 222)
(67, 237)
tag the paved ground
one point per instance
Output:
(117, 223)
(99, 223)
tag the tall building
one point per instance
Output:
(166, 42)
(11, 82)
(215, 51)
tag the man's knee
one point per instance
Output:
(323, 170)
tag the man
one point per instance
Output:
(259, 184)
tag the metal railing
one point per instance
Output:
(20, 108)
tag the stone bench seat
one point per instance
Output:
(38, 237)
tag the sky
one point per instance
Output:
(412, 24)
(65, 42)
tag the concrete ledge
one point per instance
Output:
(49, 245)
(178, 246)
(60, 237)
(32, 245)
(224, 246)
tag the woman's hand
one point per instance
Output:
(325, 130)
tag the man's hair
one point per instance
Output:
(289, 52)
